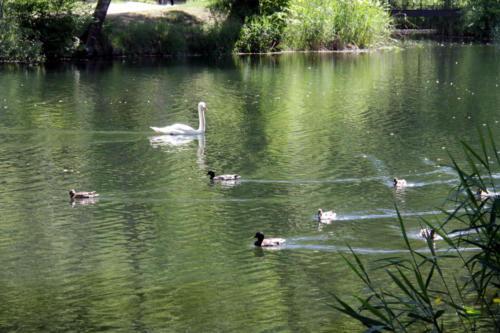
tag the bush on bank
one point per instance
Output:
(39, 30)
(35, 30)
(317, 25)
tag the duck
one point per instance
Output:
(267, 242)
(326, 216)
(181, 129)
(427, 233)
(82, 195)
(399, 182)
(212, 175)
(483, 193)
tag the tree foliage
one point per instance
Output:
(481, 18)
(38, 29)
(248, 8)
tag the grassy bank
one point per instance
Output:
(39, 30)
(190, 28)
(194, 29)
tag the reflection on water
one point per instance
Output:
(177, 141)
(83, 202)
(165, 249)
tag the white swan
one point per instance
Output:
(181, 129)
(326, 217)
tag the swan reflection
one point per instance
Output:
(178, 141)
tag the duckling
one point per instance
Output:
(82, 195)
(326, 216)
(427, 233)
(399, 182)
(212, 175)
(483, 193)
(268, 241)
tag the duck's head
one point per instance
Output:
(72, 193)
(395, 181)
(320, 212)
(259, 235)
(211, 173)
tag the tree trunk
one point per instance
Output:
(94, 29)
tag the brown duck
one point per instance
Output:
(267, 241)
(82, 195)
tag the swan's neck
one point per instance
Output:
(201, 117)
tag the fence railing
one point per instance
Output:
(424, 4)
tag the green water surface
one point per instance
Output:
(165, 250)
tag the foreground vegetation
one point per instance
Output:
(425, 297)
(39, 30)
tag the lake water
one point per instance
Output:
(163, 248)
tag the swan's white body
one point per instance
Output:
(326, 217)
(181, 129)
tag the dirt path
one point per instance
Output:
(129, 10)
(134, 7)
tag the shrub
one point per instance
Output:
(333, 24)
(261, 34)
(15, 46)
(47, 29)
(481, 18)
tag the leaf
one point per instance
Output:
(417, 316)
(373, 310)
(369, 322)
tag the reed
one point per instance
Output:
(425, 296)
(335, 24)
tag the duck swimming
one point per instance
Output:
(427, 233)
(399, 182)
(484, 194)
(261, 242)
(82, 195)
(326, 216)
(212, 175)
